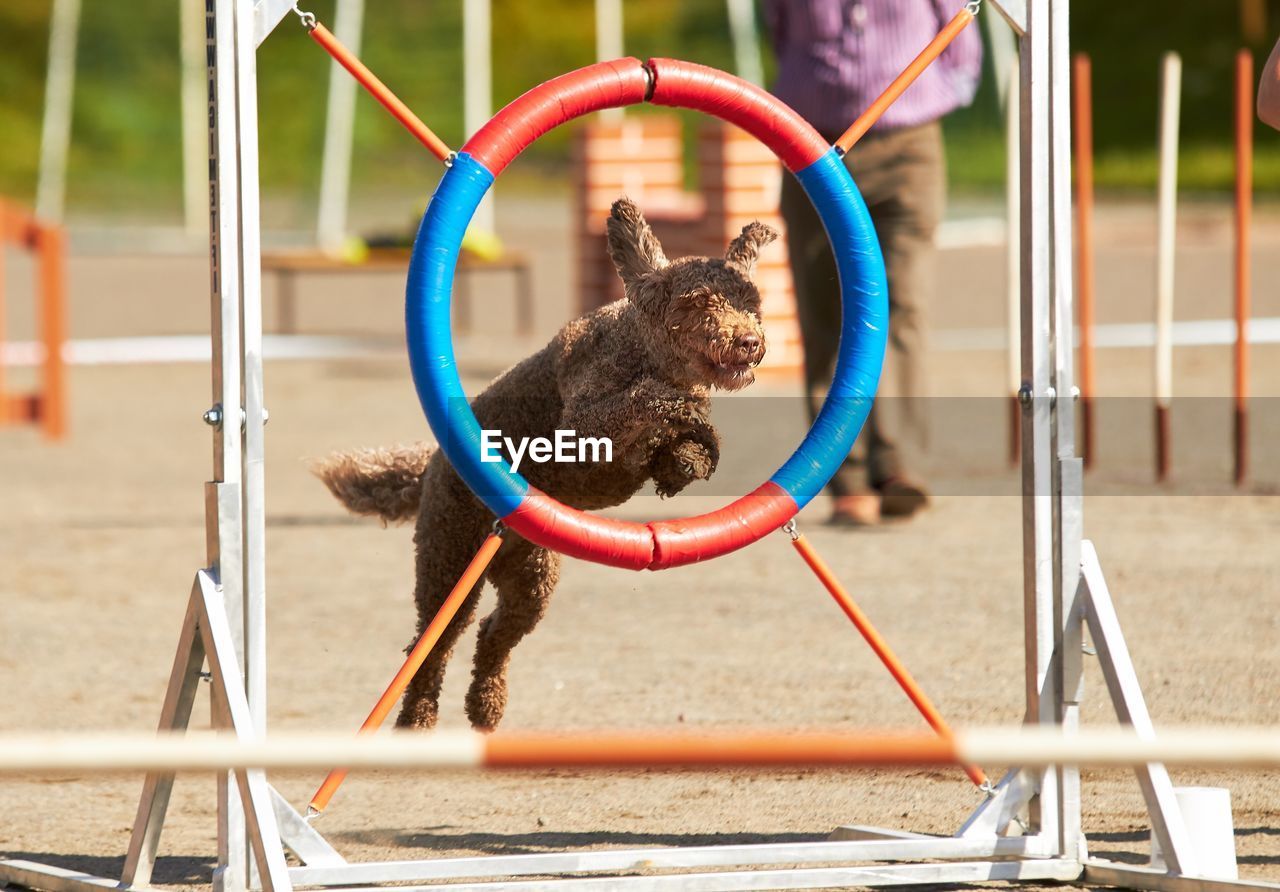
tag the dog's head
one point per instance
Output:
(704, 311)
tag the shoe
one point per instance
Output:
(859, 510)
(902, 497)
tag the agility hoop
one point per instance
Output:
(534, 514)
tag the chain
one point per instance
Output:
(791, 530)
(308, 19)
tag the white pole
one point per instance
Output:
(1013, 227)
(1013, 254)
(339, 132)
(453, 749)
(609, 43)
(1004, 54)
(195, 112)
(55, 137)
(477, 86)
(1170, 95)
(746, 41)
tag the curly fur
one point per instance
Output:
(379, 482)
(639, 371)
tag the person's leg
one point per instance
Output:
(902, 176)
(817, 292)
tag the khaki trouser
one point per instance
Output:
(902, 175)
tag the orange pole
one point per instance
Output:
(417, 657)
(1083, 95)
(759, 750)
(4, 238)
(882, 649)
(378, 90)
(1244, 214)
(51, 248)
(899, 86)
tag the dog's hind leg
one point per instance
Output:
(525, 576)
(450, 529)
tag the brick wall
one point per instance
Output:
(739, 179)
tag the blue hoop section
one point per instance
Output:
(427, 323)
(863, 329)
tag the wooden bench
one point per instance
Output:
(286, 267)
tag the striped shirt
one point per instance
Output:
(836, 56)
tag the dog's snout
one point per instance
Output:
(749, 345)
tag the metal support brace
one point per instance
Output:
(999, 812)
(1131, 709)
(1014, 12)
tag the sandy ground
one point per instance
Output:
(100, 536)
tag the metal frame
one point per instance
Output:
(1063, 584)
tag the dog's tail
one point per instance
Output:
(385, 483)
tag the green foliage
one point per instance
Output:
(125, 156)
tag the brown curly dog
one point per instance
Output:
(639, 371)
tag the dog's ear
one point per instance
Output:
(744, 250)
(633, 247)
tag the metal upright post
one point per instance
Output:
(1068, 469)
(255, 413)
(1037, 395)
(224, 519)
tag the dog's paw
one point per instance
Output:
(689, 458)
(697, 457)
(486, 702)
(420, 714)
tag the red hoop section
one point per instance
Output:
(777, 125)
(604, 85)
(655, 545)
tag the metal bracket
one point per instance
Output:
(1014, 12)
(266, 15)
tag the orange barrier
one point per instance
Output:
(882, 650)
(1082, 94)
(909, 74)
(378, 90)
(416, 658)
(1244, 214)
(46, 406)
(639, 750)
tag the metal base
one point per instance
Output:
(41, 876)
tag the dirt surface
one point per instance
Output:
(100, 536)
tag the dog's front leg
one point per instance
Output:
(636, 421)
(691, 455)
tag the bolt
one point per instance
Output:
(213, 417)
(1024, 396)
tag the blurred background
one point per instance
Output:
(125, 154)
(137, 274)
